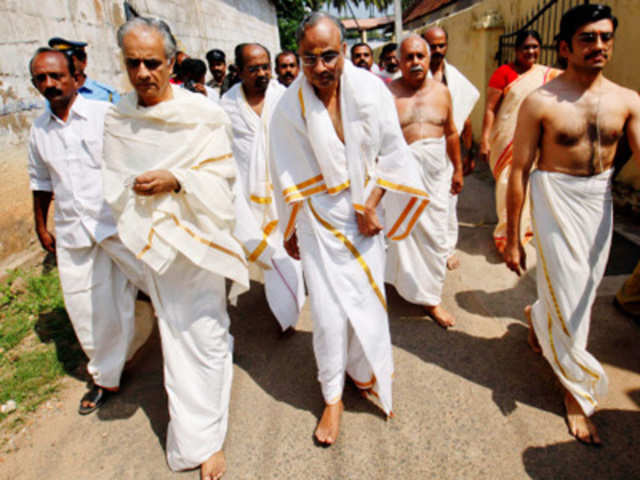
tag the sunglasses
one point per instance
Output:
(149, 63)
(328, 58)
(592, 37)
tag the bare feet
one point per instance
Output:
(579, 424)
(329, 425)
(440, 315)
(453, 262)
(214, 468)
(531, 339)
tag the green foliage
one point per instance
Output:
(37, 342)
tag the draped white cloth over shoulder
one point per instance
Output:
(572, 221)
(327, 180)
(189, 242)
(284, 286)
(190, 138)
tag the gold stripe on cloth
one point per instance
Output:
(211, 160)
(413, 221)
(402, 216)
(147, 247)
(301, 195)
(261, 200)
(401, 188)
(292, 221)
(354, 251)
(338, 188)
(302, 185)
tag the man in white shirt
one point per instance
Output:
(65, 158)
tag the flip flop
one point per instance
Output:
(97, 395)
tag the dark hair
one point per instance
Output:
(192, 69)
(70, 65)
(523, 35)
(361, 44)
(578, 16)
(287, 52)
(215, 55)
(387, 49)
(239, 53)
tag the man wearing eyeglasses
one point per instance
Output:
(65, 158)
(336, 148)
(87, 87)
(169, 177)
(570, 127)
(250, 106)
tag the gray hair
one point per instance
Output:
(415, 36)
(160, 26)
(312, 19)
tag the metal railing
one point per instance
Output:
(545, 19)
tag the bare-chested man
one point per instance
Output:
(464, 97)
(416, 265)
(574, 122)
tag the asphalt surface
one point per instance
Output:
(470, 402)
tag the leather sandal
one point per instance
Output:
(97, 395)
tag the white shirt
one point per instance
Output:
(213, 93)
(66, 158)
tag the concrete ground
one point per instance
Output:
(470, 402)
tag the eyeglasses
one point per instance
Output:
(256, 68)
(149, 63)
(592, 37)
(328, 58)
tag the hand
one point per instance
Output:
(457, 181)
(291, 246)
(515, 258)
(47, 240)
(154, 182)
(468, 164)
(199, 87)
(368, 223)
(484, 151)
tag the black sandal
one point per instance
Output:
(97, 395)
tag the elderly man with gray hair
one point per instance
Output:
(169, 177)
(336, 148)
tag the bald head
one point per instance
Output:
(414, 60)
(414, 42)
(437, 39)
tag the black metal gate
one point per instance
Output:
(545, 19)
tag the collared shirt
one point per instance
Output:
(98, 91)
(66, 158)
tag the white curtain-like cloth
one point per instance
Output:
(329, 181)
(284, 286)
(464, 96)
(572, 220)
(416, 265)
(190, 138)
(198, 366)
(100, 301)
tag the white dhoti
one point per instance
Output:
(452, 219)
(344, 273)
(572, 219)
(283, 284)
(198, 367)
(416, 265)
(100, 301)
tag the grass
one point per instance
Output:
(37, 343)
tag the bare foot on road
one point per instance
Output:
(329, 425)
(453, 262)
(214, 468)
(579, 424)
(531, 339)
(440, 315)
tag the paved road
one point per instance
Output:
(471, 402)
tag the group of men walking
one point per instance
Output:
(333, 179)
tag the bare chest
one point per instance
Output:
(420, 110)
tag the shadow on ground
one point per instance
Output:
(617, 458)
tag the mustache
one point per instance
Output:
(596, 54)
(416, 68)
(52, 92)
(437, 55)
(288, 75)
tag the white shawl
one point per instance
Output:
(306, 160)
(190, 138)
(464, 95)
